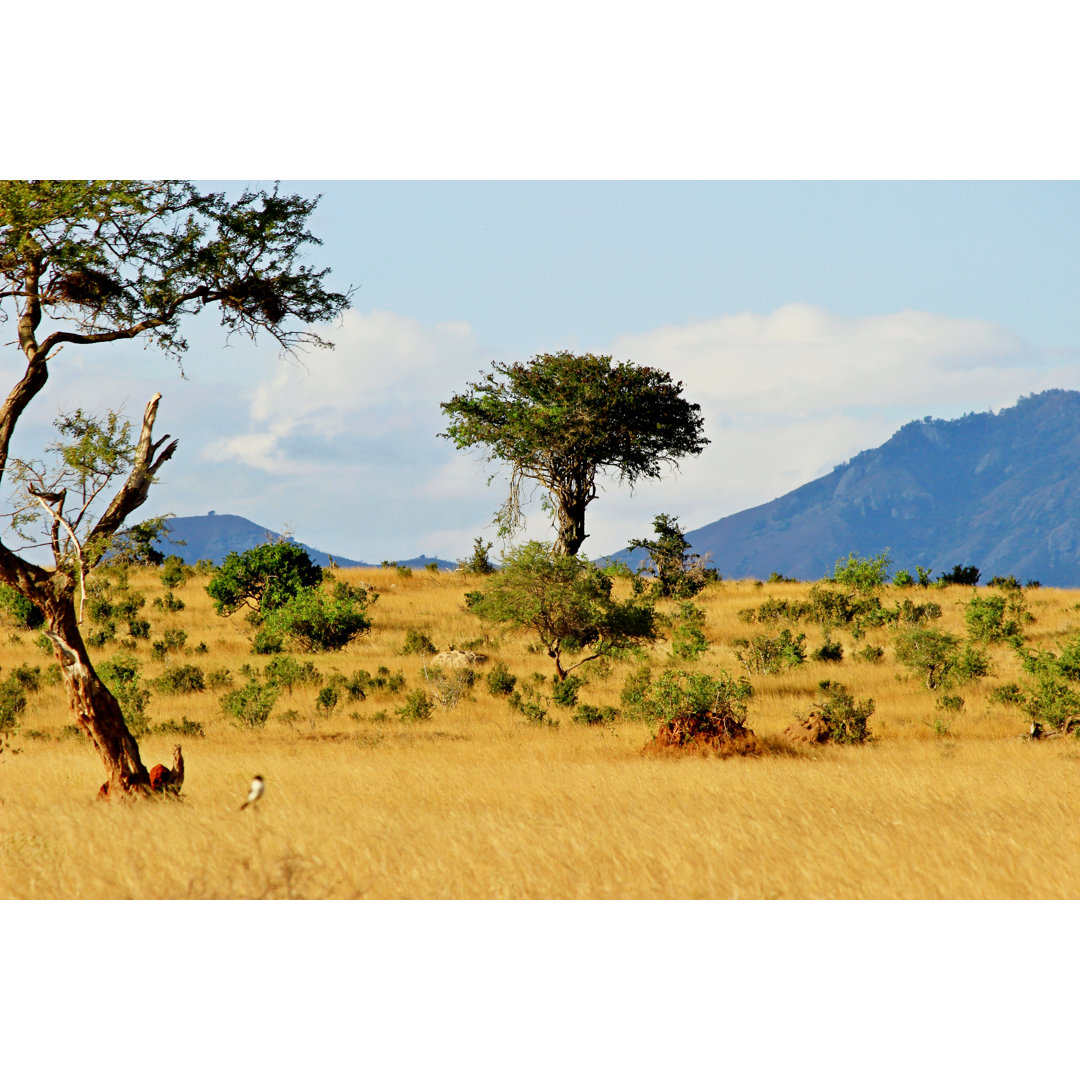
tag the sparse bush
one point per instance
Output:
(20, 611)
(994, 618)
(678, 575)
(688, 641)
(404, 571)
(565, 693)
(449, 687)
(286, 672)
(219, 678)
(169, 603)
(862, 575)
(326, 700)
(250, 704)
(589, 714)
(831, 652)
(172, 641)
(267, 642)
(903, 579)
(871, 654)
(181, 679)
(121, 675)
(845, 717)
(937, 658)
(418, 644)
(499, 680)
(417, 707)
(950, 703)
(961, 575)
(1007, 694)
(765, 655)
(174, 572)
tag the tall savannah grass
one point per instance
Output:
(476, 802)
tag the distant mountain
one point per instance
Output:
(998, 491)
(213, 536)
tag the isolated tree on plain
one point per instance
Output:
(561, 419)
(90, 262)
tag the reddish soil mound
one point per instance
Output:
(813, 729)
(707, 735)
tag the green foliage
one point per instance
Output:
(499, 680)
(404, 571)
(478, 563)
(766, 655)
(122, 676)
(135, 545)
(418, 644)
(846, 718)
(950, 703)
(250, 704)
(903, 579)
(680, 694)
(831, 652)
(263, 578)
(326, 700)
(1051, 697)
(560, 419)
(1007, 694)
(871, 654)
(678, 574)
(533, 705)
(961, 575)
(1002, 582)
(862, 575)
(266, 642)
(169, 603)
(590, 715)
(565, 692)
(174, 573)
(566, 602)
(313, 620)
(417, 707)
(688, 641)
(181, 679)
(22, 612)
(936, 657)
(994, 618)
(172, 641)
(286, 672)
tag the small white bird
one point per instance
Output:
(258, 786)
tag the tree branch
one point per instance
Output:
(137, 486)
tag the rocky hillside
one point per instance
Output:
(1000, 491)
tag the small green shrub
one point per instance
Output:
(169, 603)
(499, 680)
(181, 679)
(326, 700)
(172, 641)
(565, 693)
(1007, 694)
(122, 676)
(21, 612)
(417, 707)
(831, 652)
(250, 704)
(589, 714)
(417, 644)
(846, 718)
(862, 575)
(871, 654)
(961, 575)
(314, 620)
(688, 641)
(766, 655)
(219, 678)
(267, 642)
(950, 703)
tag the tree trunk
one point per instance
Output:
(94, 707)
(571, 516)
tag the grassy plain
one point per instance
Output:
(475, 803)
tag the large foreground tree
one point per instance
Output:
(89, 262)
(561, 419)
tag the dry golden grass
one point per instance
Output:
(475, 804)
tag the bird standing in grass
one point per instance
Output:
(258, 786)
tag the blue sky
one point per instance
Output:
(809, 319)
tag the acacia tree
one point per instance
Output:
(561, 419)
(566, 602)
(88, 262)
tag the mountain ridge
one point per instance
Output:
(993, 490)
(213, 536)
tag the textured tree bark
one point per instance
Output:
(95, 709)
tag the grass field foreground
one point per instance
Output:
(475, 802)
